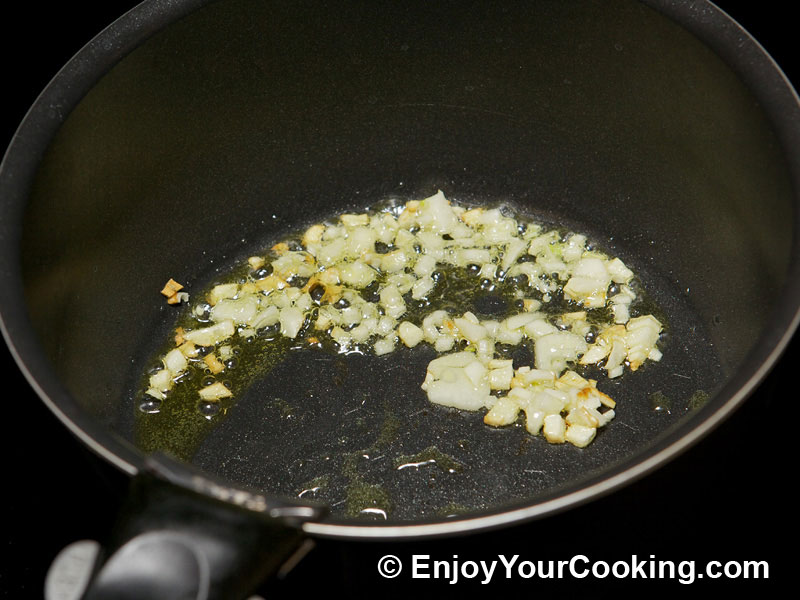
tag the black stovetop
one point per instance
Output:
(726, 499)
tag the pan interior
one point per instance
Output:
(246, 119)
(357, 432)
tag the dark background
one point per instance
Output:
(728, 498)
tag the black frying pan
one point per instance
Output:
(604, 168)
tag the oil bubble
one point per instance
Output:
(150, 406)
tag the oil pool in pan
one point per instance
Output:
(321, 415)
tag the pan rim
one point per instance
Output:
(148, 18)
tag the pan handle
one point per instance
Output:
(181, 535)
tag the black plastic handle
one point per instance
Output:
(184, 536)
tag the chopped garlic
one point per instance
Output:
(213, 363)
(554, 429)
(554, 350)
(341, 265)
(357, 274)
(641, 338)
(161, 380)
(220, 292)
(178, 298)
(291, 320)
(504, 412)
(384, 346)
(458, 380)
(393, 302)
(580, 435)
(189, 350)
(500, 378)
(589, 283)
(215, 391)
(256, 262)
(209, 336)
(239, 310)
(410, 334)
(171, 288)
(175, 362)
(619, 272)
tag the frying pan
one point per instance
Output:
(648, 152)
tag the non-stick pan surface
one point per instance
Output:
(350, 430)
(594, 117)
(249, 470)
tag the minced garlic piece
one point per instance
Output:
(213, 363)
(171, 288)
(172, 291)
(215, 391)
